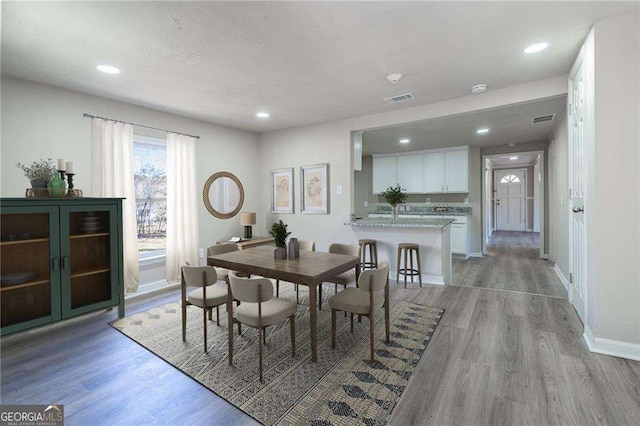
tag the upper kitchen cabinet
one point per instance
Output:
(384, 173)
(410, 173)
(424, 172)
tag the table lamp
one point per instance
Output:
(247, 219)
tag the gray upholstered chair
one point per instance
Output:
(371, 294)
(304, 245)
(207, 295)
(223, 273)
(260, 309)
(346, 277)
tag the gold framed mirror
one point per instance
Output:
(223, 195)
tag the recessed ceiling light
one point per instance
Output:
(534, 48)
(481, 131)
(511, 144)
(405, 140)
(515, 157)
(262, 115)
(108, 69)
(478, 88)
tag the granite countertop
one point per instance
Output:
(427, 211)
(401, 223)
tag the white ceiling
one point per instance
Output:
(304, 62)
(522, 160)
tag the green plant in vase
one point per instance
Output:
(39, 173)
(279, 233)
(394, 195)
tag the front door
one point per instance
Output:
(510, 199)
(577, 233)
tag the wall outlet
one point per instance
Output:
(339, 190)
(366, 204)
(428, 200)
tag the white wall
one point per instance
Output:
(331, 142)
(560, 194)
(615, 289)
(40, 121)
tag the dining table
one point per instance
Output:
(311, 269)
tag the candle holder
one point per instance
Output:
(70, 179)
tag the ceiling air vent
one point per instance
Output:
(542, 118)
(399, 98)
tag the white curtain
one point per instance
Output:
(112, 176)
(182, 204)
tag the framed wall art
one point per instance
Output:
(315, 188)
(282, 191)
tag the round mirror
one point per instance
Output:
(223, 195)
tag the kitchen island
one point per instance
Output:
(433, 235)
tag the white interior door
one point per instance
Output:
(510, 197)
(577, 233)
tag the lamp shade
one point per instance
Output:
(247, 218)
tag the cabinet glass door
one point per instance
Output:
(29, 265)
(89, 258)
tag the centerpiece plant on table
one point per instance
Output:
(39, 173)
(394, 195)
(279, 233)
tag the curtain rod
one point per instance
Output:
(138, 125)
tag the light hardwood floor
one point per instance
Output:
(497, 357)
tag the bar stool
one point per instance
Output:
(373, 253)
(404, 250)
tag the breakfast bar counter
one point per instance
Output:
(433, 235)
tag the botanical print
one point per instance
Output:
(282, 191)
(315, 189)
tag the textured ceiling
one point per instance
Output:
(304, 62)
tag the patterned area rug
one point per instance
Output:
(343, 387)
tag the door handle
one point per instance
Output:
(55, 263)
(65, 262)
(577, 209)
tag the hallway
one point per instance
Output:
(512, 263)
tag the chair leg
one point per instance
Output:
(297, 295)
(264, 335)
(405, 268)
(277, 288)
(184, 321)
(371, 335)
(320, 297)
(292, 321)
(411, 263)
(218, 315)
(419, 268)
(351, 322)
(204, 323)
(398, 268)
(386, 320)
(211, 314)
(335, 289)
(260, 333)
(333, 328)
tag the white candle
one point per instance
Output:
(70, 170)
(61, 165)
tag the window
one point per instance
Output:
(510, 179)
(150, 179)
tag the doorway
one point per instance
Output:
(510, 201)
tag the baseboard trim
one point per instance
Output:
(560, 275)
(426, 279)
(610, 347)
(475, 254)
(545, 256)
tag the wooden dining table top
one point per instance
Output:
(310, 269)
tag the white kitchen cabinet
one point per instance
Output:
(456, 171)
(433, 172)
(459, 235)
(410, 173)
(384, 173)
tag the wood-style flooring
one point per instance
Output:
(497, 357)
(512, 263)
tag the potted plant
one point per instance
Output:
(40, 172)
(280, 234)
(394, 195)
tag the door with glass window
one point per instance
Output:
(510, 197)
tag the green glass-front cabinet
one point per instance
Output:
(59, 258)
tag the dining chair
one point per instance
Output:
(346, 277)
(371, 294)
(207, 295)
(260, 309)
(223, 273)
(304, 245)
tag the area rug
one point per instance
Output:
(343, 387)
